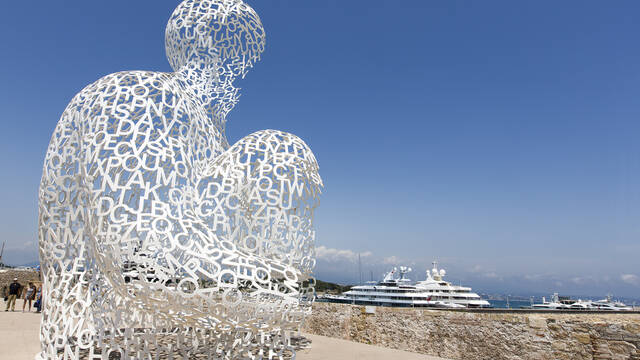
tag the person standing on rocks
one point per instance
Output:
(14, 290)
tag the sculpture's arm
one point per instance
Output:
(62, 235)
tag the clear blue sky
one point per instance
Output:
(499, 137)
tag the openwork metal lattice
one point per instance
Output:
(157, 238)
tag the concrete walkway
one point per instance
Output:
(19, 340)
(19, 335)
(325, 348)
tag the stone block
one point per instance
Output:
(537, 322)
(583, 338)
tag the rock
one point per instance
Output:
(559, 345)
(583, 338)
(554, 327)
(537, 322)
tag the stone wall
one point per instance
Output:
(24, 276)
(482, 335)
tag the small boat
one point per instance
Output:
(554, 304)
(580, 305)
(566, 303)
(609, 304)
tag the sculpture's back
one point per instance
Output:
(156, 236)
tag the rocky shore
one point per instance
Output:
(477, 335)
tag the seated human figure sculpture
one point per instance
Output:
(158, 237)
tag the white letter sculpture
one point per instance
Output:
(157, 238)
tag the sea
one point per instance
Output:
(513, 304)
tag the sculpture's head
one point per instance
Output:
(225, 35)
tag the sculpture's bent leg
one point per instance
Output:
(260, 195)
(267, 186)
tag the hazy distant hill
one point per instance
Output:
(31, 264)
(324, 286)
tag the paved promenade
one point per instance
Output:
(19, 341)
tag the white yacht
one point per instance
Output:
(394, 291)
(441, 290)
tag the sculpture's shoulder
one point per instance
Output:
(126, 85)
(128, 103)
